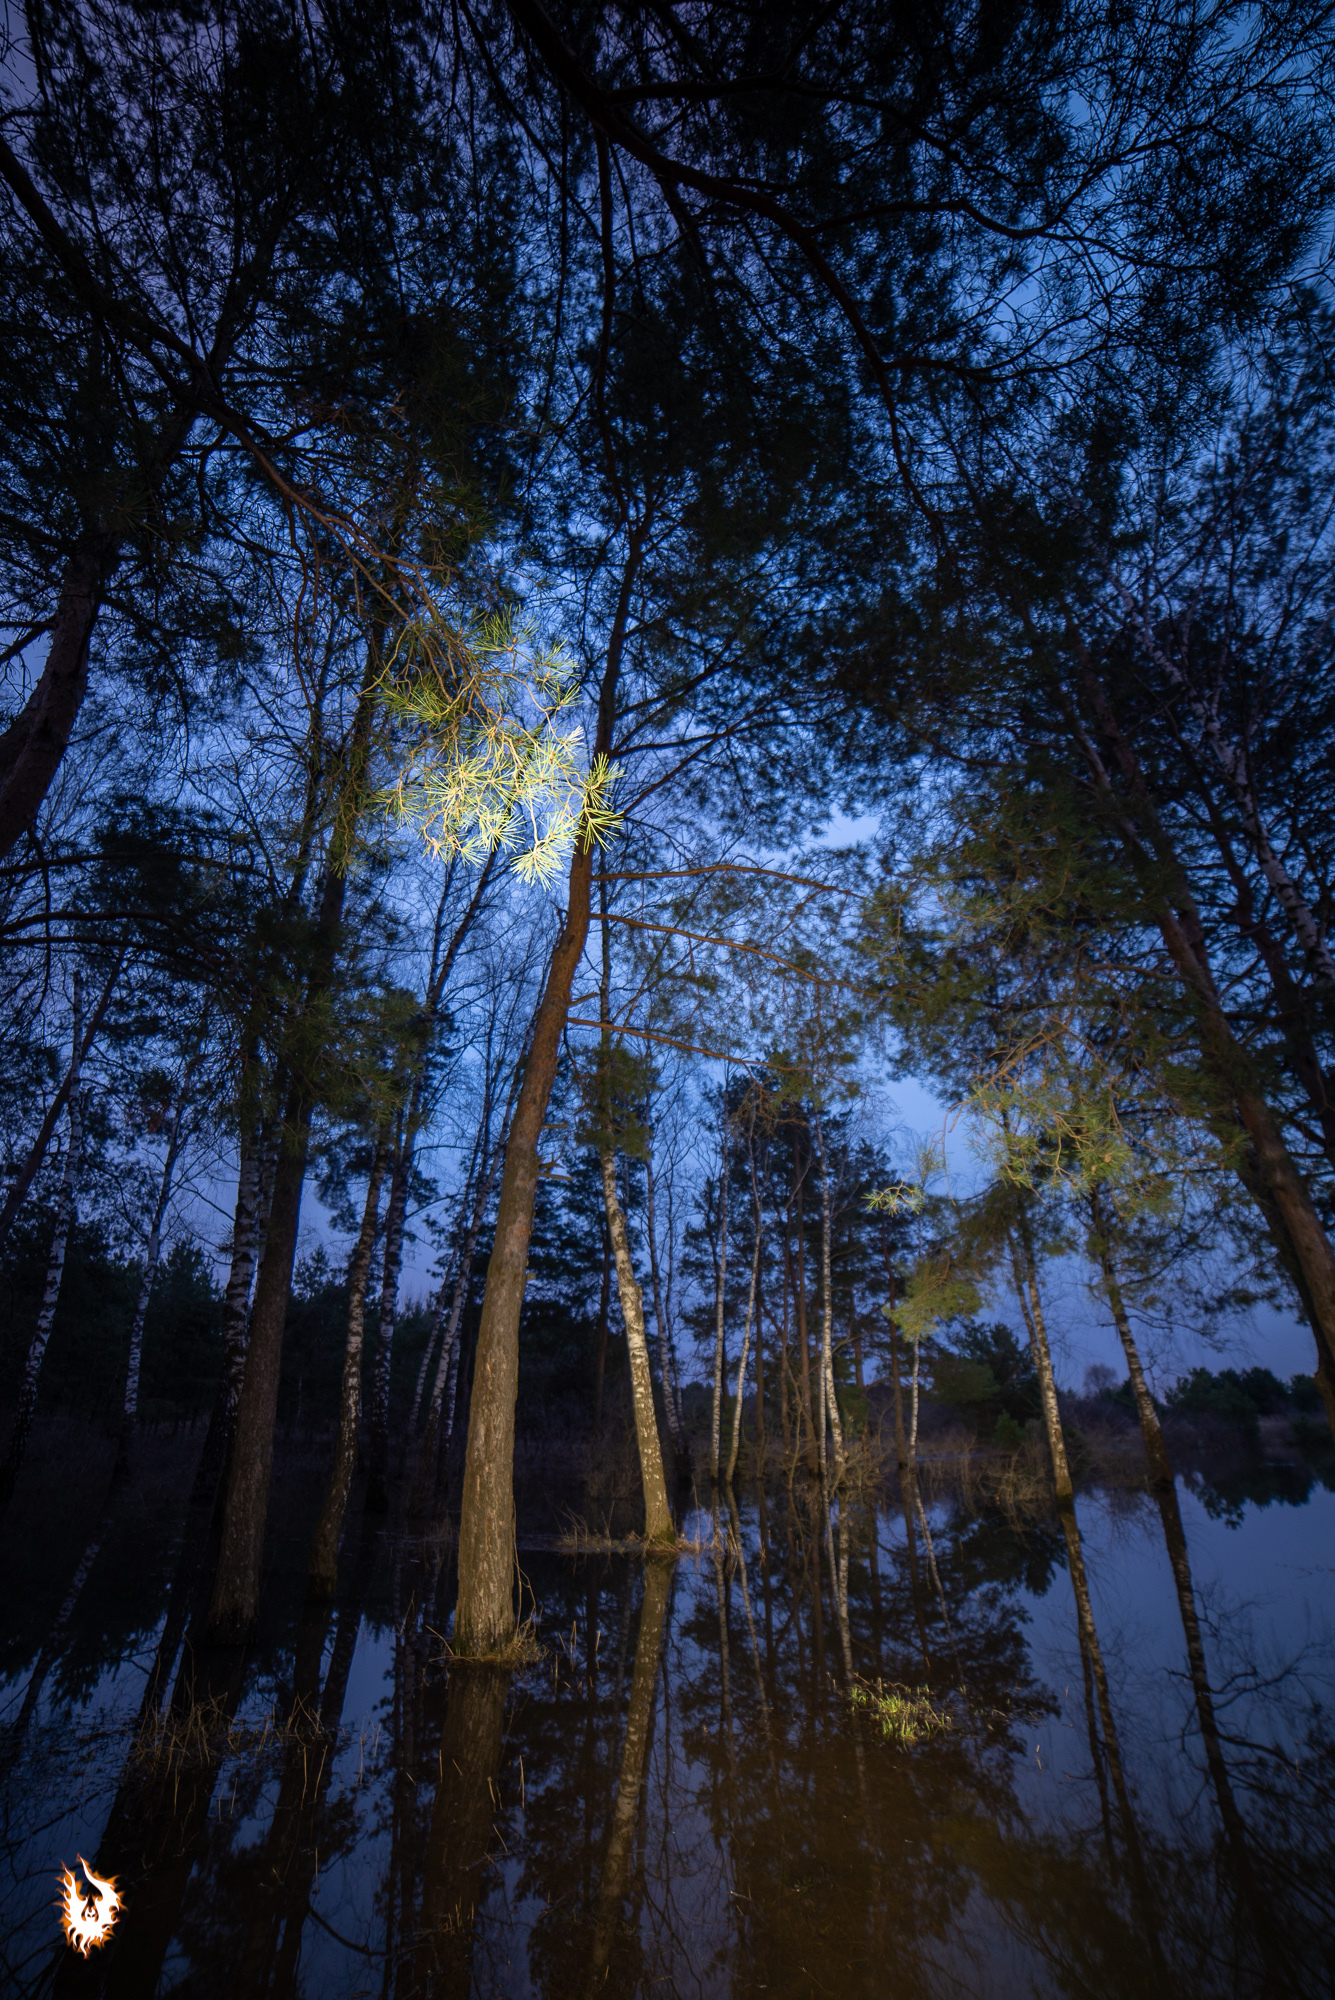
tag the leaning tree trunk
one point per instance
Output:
(36, 1153)
(1227, 1062)
(322, 1574)
(484, 1618)
(55, 1267)
(658, 1525)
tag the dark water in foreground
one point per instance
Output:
(677, 1797)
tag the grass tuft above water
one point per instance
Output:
(903, 1715)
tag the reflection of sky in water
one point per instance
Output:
(701, 1893)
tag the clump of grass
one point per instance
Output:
(522, 1650)
(903, 1715)
(207, 1732)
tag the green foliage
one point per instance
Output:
(902, 1715)
(1234, 1397)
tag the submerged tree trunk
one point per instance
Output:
(55, 1268)
(658, 1525)
(322, 1573)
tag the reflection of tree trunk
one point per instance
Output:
(151, 1837)
(462, 1819)
(51, 1646)
(1164, 1488)
(815, 1452)
(323, 1568)
(634, 1757)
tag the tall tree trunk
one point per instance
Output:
(671, 1392)
(236, 1590)
(827, 1308)
(1226, 1061)
(720, 1283)
(55, 1267)
(815, 1453)
(32, 747)
(377, 1493)
(484, 1619)
(600, 1349)
(322, 1572)
(1031, 1304)
(658, 1525)
(130, 1408)
(750, 1309)
(36, 1153)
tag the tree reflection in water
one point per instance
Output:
(679, 1797)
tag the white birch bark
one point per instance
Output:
(657, 1515)
(827, 1312)
(323, 1568)
(721, 1273)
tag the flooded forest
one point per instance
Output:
(667, 851)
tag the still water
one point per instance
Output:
(688, 1790)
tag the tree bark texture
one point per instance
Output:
(236, 1591)
(484, 1619)
(1026, 1276)
(658, 1525)
(827, 1309)
(322, 1572)
(33, 745)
